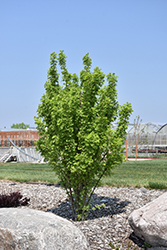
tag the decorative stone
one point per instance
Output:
(22, 228)
(157, 248)
(150, 222)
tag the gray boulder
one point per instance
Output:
(22, 228)
(150, 222)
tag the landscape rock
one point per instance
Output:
(23, 228)
(104, 225)
(150, 222)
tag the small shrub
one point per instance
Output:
(13, 200)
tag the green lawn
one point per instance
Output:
(27, 172)
(149, 173)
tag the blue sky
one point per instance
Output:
(128, 38)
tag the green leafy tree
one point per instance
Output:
(20, 126)
(76, 132)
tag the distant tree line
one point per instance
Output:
(20, 126)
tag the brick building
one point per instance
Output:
(20, 137)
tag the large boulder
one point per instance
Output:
(37, 230)
(150, 222)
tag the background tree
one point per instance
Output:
(76, 132)
(140, 136)
(20, 126)
(137, 123)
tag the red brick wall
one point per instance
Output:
(23, 138)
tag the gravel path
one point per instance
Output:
(108, 224)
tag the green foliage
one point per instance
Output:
(147, 244)
(76, 135)
(98, 206)
(20, 126)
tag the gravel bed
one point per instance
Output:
(105, 225)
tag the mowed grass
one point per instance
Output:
(148, 173)
(27, 172)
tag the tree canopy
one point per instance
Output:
(20, 126)
(77, 136)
